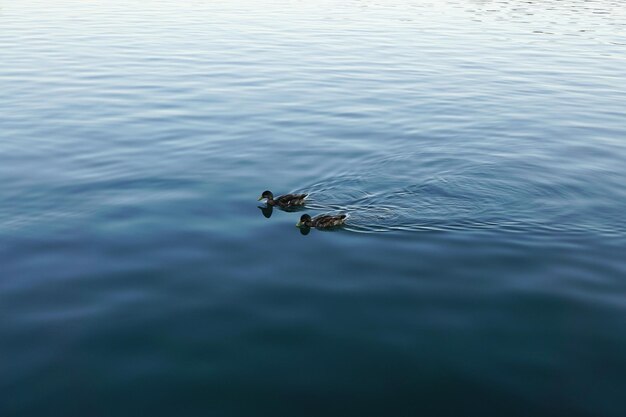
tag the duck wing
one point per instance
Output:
(289, 200)
(329, 220)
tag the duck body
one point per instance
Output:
(284, 201)
(288, 200)
(324, 221)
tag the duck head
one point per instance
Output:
(267, 195)
(305, 221)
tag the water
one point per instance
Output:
(479, 148)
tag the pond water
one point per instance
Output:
(478, 147)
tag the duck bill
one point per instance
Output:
(299, 224)
(260, 198)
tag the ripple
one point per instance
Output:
(461, 196)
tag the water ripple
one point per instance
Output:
(461, 195)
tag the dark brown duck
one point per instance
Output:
(286, 201)
(324, 221)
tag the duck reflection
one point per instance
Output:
(267, 210)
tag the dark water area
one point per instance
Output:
(478, 147)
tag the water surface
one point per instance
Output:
(477, 146)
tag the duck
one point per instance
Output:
(324, 221)
(285, 201)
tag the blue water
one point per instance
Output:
(478, 147)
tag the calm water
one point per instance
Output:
(479, 148)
